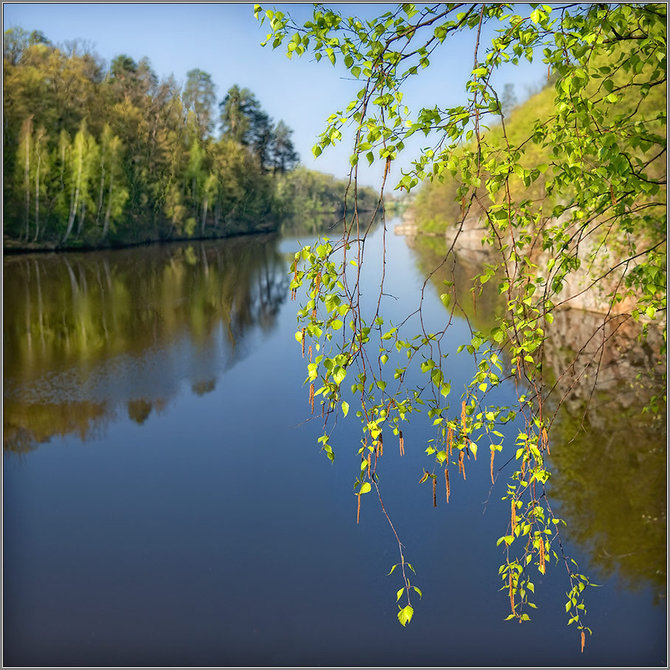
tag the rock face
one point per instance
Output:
(586, 288)
(469, 236)
(591, 347)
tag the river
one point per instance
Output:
(166, 502)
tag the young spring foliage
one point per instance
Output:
(582, 183)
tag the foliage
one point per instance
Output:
(580, 187)
(97, 156)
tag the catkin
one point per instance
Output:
(583, 641)
(542, 563)
(369, 464)
(380, 446)
(358, 509)
(464, 416)
(450, 439)
(614, 200)
(461, 463)
(493, 451)
(295, 279)
(446, 479)
(402, 444)
(511, 593)
(311, 397)
(513, 514)
(434, 491)
(303, 343)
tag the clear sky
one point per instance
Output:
(224, 39)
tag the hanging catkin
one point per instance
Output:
(493, 451)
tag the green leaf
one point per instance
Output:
(339, 374)
(365, 488)
(405, 615)
(345, 407)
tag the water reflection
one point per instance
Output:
(608, 455)
(609, 460)
(89, 335)
(457, 270)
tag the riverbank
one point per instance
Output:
(15, 247)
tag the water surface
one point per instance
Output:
(165, 502)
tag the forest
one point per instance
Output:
(99, 155)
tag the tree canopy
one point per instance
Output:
(98, 154)
(572, 210)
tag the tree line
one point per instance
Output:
(97, 155)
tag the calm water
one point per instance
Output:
(165, 502)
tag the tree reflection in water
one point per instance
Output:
(608, 455)
(88, 333)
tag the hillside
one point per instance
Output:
(436, 206)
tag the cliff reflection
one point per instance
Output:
(608, 455)
(609, 458)
(88, 335)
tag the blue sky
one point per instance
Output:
(224, 40)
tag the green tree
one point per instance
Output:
(602, 209)
(23, 165)
(244, 120)
(284, 156)
(199, 96)
(41, 175)
(237, 110)
(112, 194)
(82, 160)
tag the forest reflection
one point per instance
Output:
(87, 335)
(608, 454)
